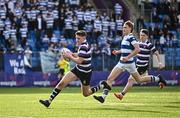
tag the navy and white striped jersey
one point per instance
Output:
(80, 15)
(105, 25)
(42, 3)
(74, 2)
(50, 4)
(84, 52)
(49, 21)
(118, 9)
(119, 24)
(54, 39)
(68, 23)
(2, 13)
(23, 32)
(7, 23)
(13, 32)
(6, 34)
(1, 25)
(55, 14)
(145, 52)
(112, 25)
(98, 25)
(18, 12)
(127, 47)
(75, 23)
(88, 27)
(33, 14)
(93, 14)
(28, 14)
(87, 16)
(24, 22)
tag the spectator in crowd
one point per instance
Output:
(118, 10)
(29, 21)
(140, 23)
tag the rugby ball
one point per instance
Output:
(63, 50)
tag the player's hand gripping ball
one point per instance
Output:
(65, 52)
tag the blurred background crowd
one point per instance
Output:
(33, 26)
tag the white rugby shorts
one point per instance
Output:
(131, 68)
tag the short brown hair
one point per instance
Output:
(130, 24)
(81, 33)
(145, 31)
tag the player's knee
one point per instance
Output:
(86, 94)
(130, 80)
(139, 81)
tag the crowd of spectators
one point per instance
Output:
(43, 25)
(48, 25)
(164, 25)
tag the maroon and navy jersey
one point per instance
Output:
(146, 48)
(84, 52)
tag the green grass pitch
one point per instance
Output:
(140, 102)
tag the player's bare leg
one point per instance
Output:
(107, 85)
(128, 86)
(65, 80)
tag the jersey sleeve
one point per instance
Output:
(133, 40)
(152, 48)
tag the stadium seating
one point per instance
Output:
(50, 26)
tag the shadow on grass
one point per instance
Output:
(174, 102)
(169, 106)
(118, 109)
(40, 90)
(36, 90)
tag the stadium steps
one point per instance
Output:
(109, 6)
(134, 9)
(93, 4)
(123, 3)
(100, 4)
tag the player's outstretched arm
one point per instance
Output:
(159, 60)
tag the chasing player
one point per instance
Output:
(142, 61)
(128, 49)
